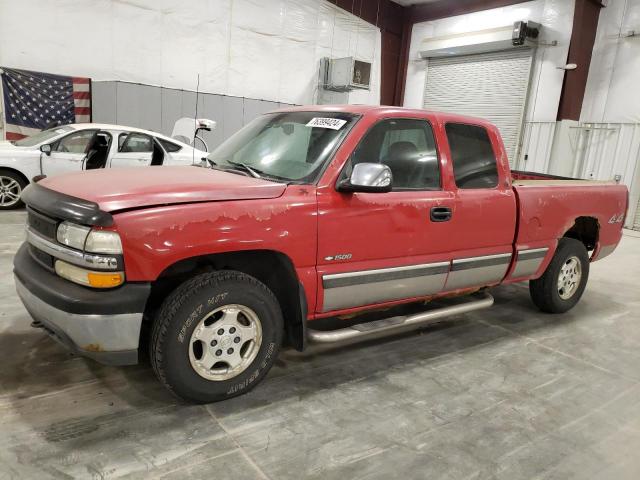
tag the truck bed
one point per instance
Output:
(549, 205)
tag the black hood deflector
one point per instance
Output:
(61, 206)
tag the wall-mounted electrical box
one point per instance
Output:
(344, 74)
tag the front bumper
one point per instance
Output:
(99, 324)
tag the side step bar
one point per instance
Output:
(388, 326)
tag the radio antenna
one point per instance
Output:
(195, 124)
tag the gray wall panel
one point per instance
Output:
(212, 109)
(156, 108)
(150, 107)
(127, 107)
(139, 106)
(103, 95)
(272, 106)
(189, 104)
(171, 109)
(232, 113)
(254, 108)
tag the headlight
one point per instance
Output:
(84, 238)
(72, 235)
(103, 241)
(89, 278)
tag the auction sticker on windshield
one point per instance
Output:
(332, 123)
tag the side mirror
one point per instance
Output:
(368, 177)
(46, 148)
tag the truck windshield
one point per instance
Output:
(289, 146)
(41, 137)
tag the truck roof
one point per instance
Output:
(383, 110)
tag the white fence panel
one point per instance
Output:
(537, 140)
(600, 151)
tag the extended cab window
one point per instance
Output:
(407, 146)
(474, 163)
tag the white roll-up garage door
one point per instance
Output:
(488, 85)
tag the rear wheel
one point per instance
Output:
(216, 336)
(564, 280)
(11, 186)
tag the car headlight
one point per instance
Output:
(103, 241)
(72, 235)
(84, 238)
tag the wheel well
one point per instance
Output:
(585, 229)
(272, 268)
(17, 172)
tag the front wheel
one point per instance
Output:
(563, 282)
(216, 336)
(11, 186)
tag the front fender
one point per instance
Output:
(27, 165)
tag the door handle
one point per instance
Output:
(440, 214)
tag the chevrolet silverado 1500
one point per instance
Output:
(305, 213)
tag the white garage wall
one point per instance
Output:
(612, 93)
(612, 99)
(260, 49)
(556, 17)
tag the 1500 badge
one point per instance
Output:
(338, 256)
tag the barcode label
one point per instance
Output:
(332, 123)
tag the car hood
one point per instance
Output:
(5, 145)
(128, 188)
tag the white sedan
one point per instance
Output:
(84, 146)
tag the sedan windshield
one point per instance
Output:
(289, 146)
(41, 137)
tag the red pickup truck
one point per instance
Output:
(305, 213)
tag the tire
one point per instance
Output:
(11, 186)
(219, 307)
(547, 293)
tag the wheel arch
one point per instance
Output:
(273, 268)
(586, 230)
(17, 172)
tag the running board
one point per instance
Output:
(388, 326)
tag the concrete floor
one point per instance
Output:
(502, 393)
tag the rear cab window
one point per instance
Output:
(472, 156)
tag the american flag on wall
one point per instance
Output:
(34, 101)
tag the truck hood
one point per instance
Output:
(127, 188)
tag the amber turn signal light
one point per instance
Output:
(90, 278)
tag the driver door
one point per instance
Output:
(135, 151)
(375, 248)
(68, 153)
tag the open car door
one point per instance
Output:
(138, 150)
(68, 153)
(97, 151)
